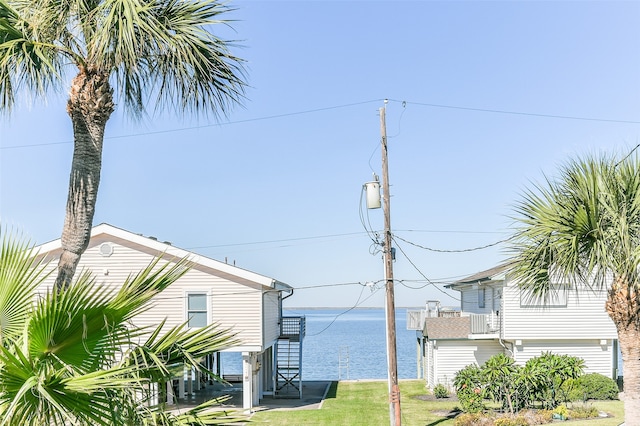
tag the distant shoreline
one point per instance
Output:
(317, 308)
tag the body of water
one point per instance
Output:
(347, 345)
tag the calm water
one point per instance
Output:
(347, 345)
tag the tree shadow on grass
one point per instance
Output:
(448, 416)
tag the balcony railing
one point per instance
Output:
(479, 323)
(293, 327)
(485, 323)
(416, 318)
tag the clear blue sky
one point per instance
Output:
(480, 95)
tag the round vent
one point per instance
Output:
(106, 249)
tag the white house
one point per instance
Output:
(497, 317)
(211, 291)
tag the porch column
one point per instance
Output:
(171, 398)
(255, 378)
(247, 382)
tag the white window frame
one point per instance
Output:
(187, 311)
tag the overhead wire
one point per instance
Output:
(429, 282)
(369, 230)
(358, 302)
(454, 251)
(528, 114)
(315, 110)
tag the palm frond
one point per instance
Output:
(20, 274)
(31, 56)
(582, 227)
(164, 354)
(164, 48)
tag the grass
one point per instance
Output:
(366, 403)
(363, 403)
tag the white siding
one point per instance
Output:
(470, 299)
(271, 317)
(598, 358)
(233, 305)
(584, 317)
(451, 356)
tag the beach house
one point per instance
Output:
(495, 316)
(248, 303)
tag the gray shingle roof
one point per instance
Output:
(485, 275)
(447, 328)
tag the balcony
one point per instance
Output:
(476, 326)
(485, 323)
(416, 318)
(293, 328)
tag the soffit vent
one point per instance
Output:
(106, 249)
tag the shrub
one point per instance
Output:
(583, 412)
(440, 391)
(473, 419)
(593, 386)
(471, 400)
(561, 410)
(537, 417)
(511, 421)
(468, 383)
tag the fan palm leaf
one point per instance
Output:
(75, 356)
(583, 228)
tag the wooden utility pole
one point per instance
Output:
(390, 307)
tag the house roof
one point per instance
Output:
(447, 327)
(105, 232)
(494, 274)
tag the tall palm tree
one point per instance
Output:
(158, 52)
(583, 227)
(73, 357)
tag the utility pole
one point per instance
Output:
(390, 308)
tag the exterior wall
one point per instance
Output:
(271, 317)
(583, 317)
(471, 295)
(451, 356)
(598, 358)
(231, 304)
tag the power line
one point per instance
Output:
(358, 303)
(454, 251)
(275, 241)
(204, 126)
(311, 111)
(529, 114)
(429, 282)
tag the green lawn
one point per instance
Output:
(365, 403)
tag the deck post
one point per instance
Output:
(247, 382)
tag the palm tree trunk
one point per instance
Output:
(624, 309)
(90, 105)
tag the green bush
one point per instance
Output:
(440, 391)
(583, 412)
(473, 419)
(511, 421)
(593, 386)
(537, 417)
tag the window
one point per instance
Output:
(481, 297)
(197, 312)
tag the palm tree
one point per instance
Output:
(73, 357)
(149, 51)
(583, 228)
